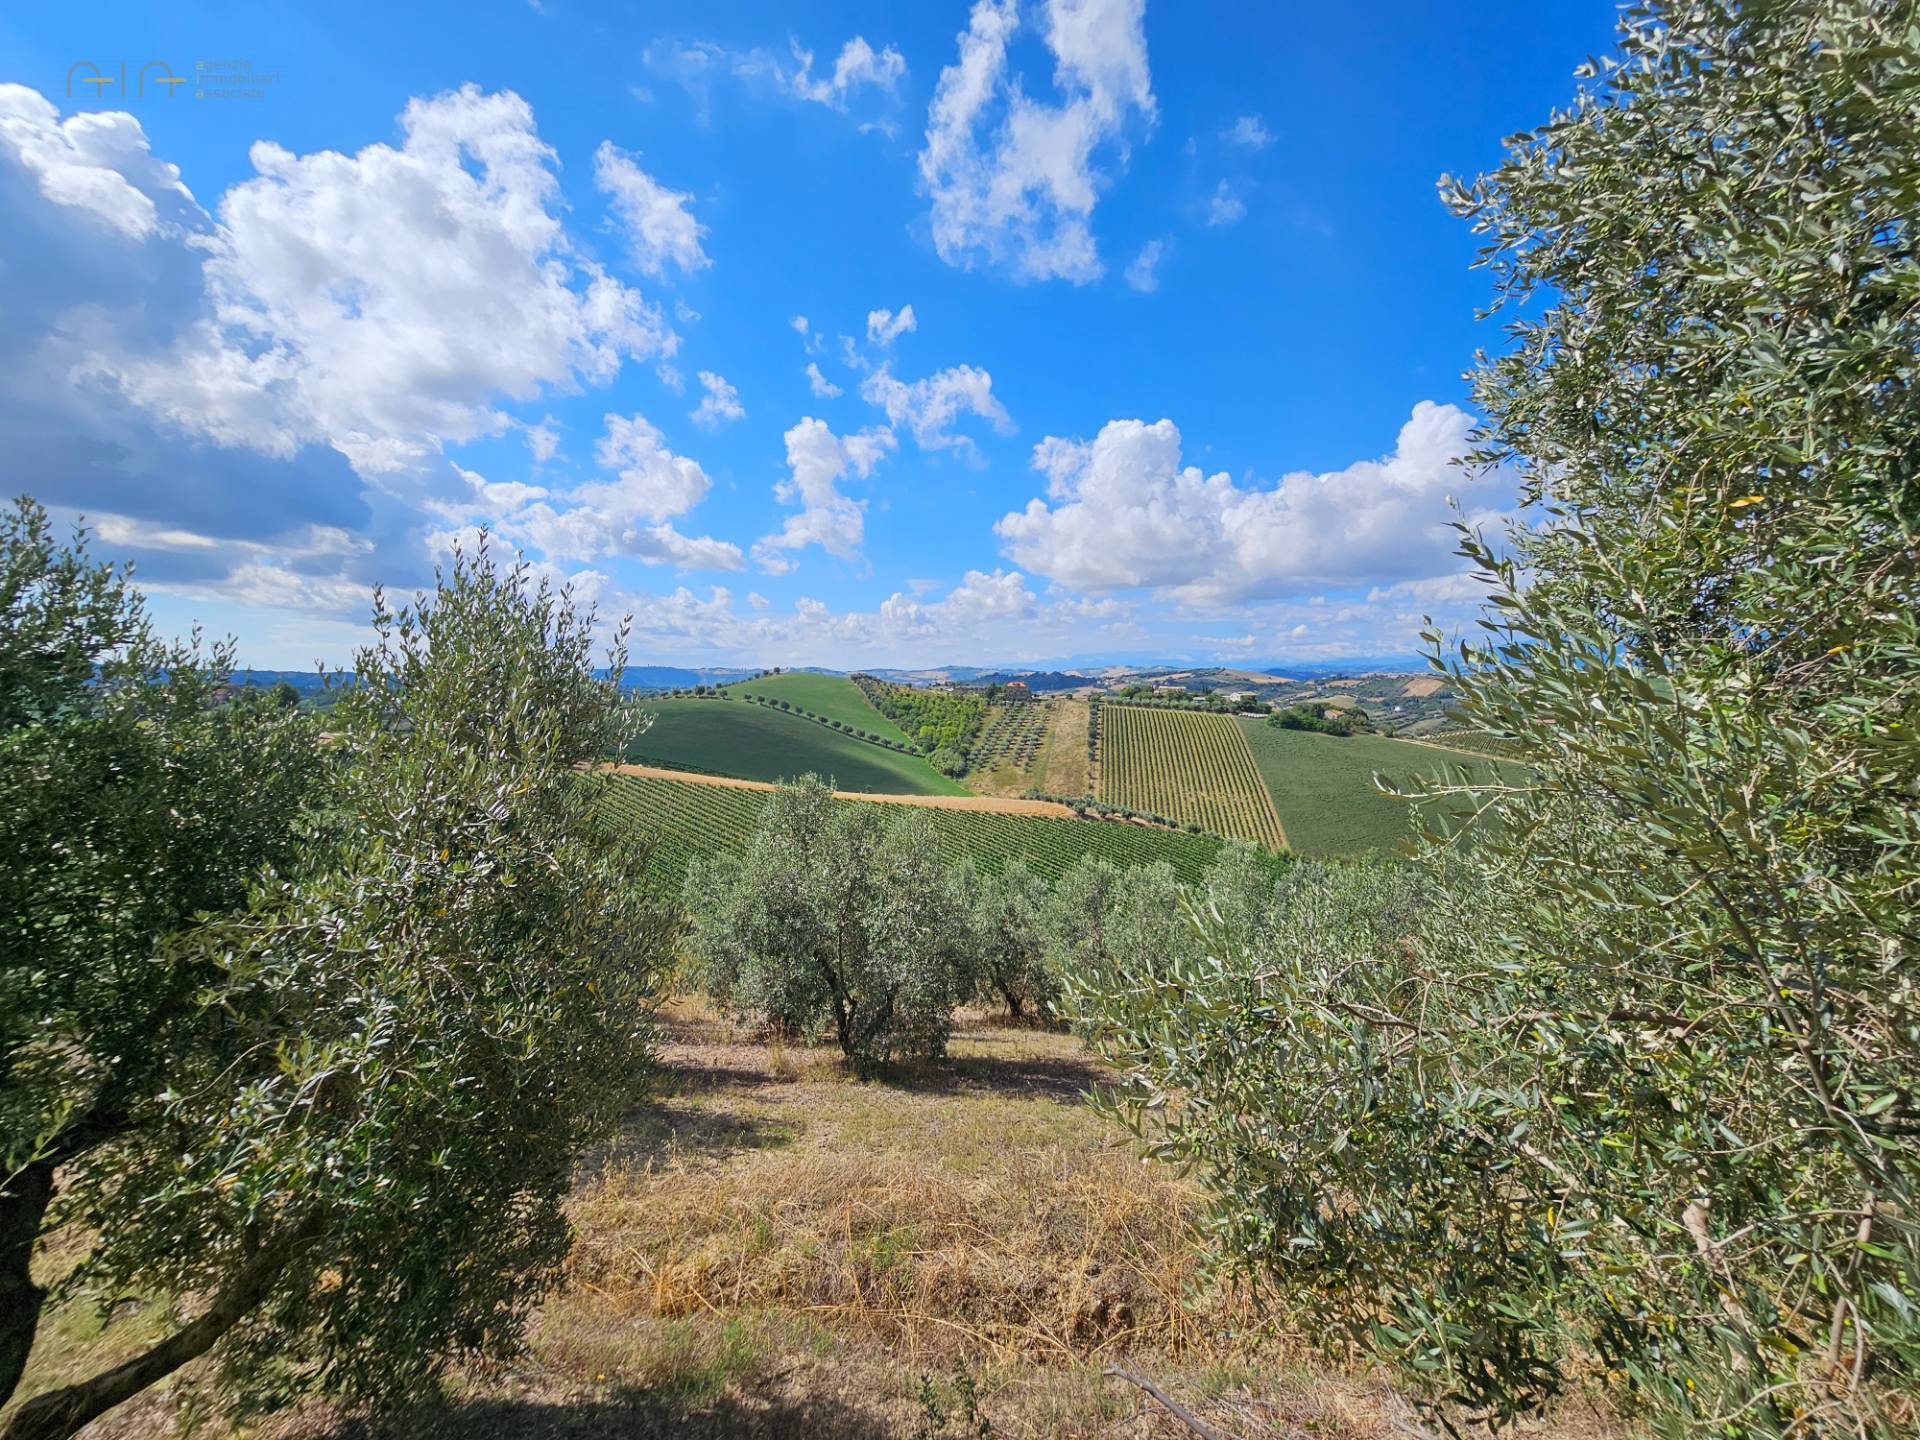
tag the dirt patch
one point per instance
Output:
(993, 803)
(1426, 685)
(998, 804)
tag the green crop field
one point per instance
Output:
(685, 818)
(1186, 765)
(1322, 785)
(833, 696)
(753, 742)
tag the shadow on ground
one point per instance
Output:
(651, 1132)
(627, 1415)
(1065, 1078)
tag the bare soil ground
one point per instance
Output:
(1424, 686)
(770, 1248)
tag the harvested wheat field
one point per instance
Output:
(773, 1249)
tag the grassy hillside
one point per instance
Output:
(1186, 765)
(1062, 766)
(833, 696)
(1322, 785)
(732, 737)
(688, 818)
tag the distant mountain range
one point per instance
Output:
(1066, 676)
(673, 677)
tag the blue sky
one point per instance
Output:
(1129, 331)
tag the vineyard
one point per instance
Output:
(1483, 742)
(685, 818)
(1188, 766)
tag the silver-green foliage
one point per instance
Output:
(1007, 938)
(133, 807)
(355, 1154)
(1265, 1043)
(1105, 928)
(838, 920)
(1634, 1096)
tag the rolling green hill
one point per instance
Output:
(686, 818)
(833, 696)
(753, 742)
(1322, 786)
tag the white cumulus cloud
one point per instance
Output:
(823, 388)
(884, 327)
(543, 440)
(1226, 207)
(695, 65)
(1013, 180)
(988, 613)
(858, 64)
(928, 408)
(1144, 273)
(626, 515)
(659, 226)
(1126, 514)
(97, 163)
(1250, 131)
(383, 301)
(817, 460)
(720, 405)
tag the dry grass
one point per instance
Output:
(771, 1248)
(1062, 766)
(978, 1209)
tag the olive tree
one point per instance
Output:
(1009, 942)
(1265, 1049)
(1707, 642)
(1634, 1098)
(353, 1162)
(835, 920)
(133, 806)
(1240, 889)
(1102, 924)
(1076, 920)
